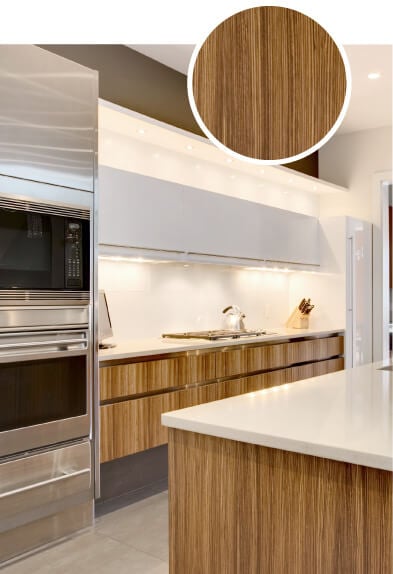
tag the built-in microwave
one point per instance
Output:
(43, 247)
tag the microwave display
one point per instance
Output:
(43, 251)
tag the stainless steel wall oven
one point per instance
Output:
(48, 243)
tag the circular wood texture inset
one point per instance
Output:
(268, 83)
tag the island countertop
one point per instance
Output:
(344, 416)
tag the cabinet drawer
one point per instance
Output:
(132, 426)
(329, 366)
(144, 377)
(229, 363)
(266, 380)
(315, 349)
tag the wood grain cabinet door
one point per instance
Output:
(142, 377)
(132, 426)
(229, 363)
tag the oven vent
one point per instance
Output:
(46, 208)
(22, 296)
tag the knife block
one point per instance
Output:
(297, 320)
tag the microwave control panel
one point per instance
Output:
(73, 255)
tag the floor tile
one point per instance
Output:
(89, 553)
(143, 525)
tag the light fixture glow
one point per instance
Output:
(189, 147)
(141, 131)
(229, 160)
(374, 75)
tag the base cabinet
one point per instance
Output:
(135, 395)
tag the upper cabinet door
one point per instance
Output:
(140, 211)
(146, 212)
(48, 111)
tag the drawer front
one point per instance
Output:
(229, 363)
(36, 486)
(144, 377)
(132, 426)
(329, 366)
(315, 349)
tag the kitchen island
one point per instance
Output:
(294, 479)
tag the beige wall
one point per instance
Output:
(353, 160)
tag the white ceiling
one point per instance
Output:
(371, 100)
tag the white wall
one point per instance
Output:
(353, 160)
(148, 299)
(326, 288)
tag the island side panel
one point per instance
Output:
(238, 508)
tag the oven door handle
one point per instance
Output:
(57, 343)
(47, 482)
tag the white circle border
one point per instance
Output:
(281, 161)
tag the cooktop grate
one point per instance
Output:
(218, 334)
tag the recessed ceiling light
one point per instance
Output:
(229, 160)
(189, 147)
(290, 180)
(374, 75)
(141, 131)
(314, 187)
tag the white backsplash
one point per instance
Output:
(148, 299)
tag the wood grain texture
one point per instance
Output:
(238, 508)
(269, 82)
(132, 426)
(149, 376)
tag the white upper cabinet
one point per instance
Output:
(144, 212)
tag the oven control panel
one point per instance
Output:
(73, 255)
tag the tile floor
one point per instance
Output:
(131, 540)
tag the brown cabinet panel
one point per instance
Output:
(132, 426)
(229, 363)
(302, 372)
(144, 377)
(266, 380)
(330, 366)
(201, 367)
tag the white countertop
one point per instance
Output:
(344, 416)
(160, 346)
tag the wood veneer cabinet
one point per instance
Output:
(135, 394)
(243, 508)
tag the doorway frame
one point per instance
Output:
(381, 301)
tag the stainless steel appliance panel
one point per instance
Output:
(48, 117)
(41, 317)
(27, 537)
(44, 496)
(45, 387)
(37, 485)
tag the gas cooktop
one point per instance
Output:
(218, 334)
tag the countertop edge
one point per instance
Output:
(282, 443)
(159, 348)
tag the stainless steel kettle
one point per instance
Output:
(234, 318)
